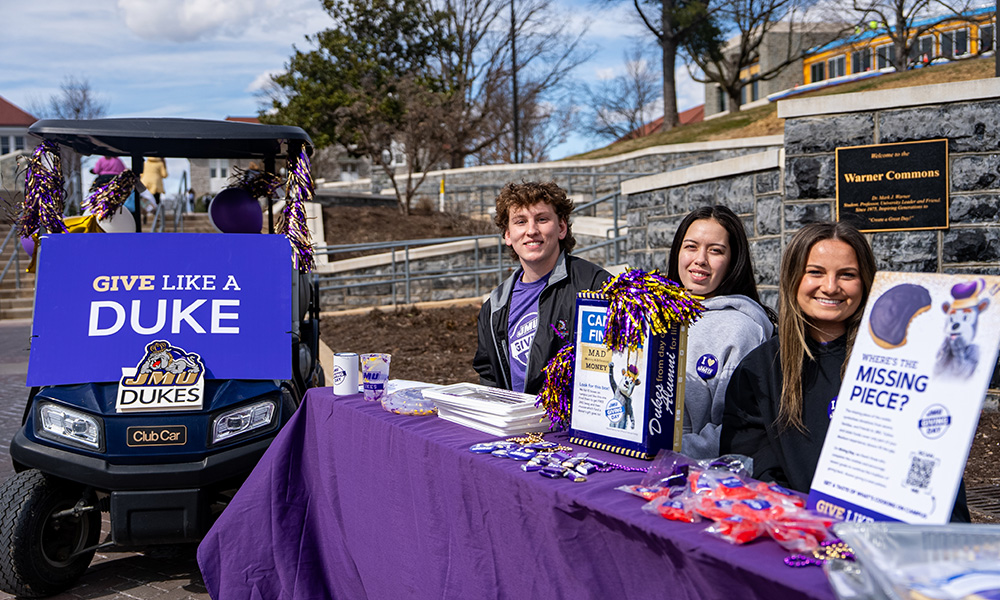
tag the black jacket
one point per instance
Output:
(788, 456)
(556, 306)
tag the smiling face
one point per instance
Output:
(704, 257)
(831, 289)
(533, 232)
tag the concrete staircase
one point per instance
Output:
(15, 302)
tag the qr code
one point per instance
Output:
(920, 473)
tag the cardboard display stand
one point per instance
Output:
(631, 403)
(904, 420)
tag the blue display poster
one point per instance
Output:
(903, 423)
(101, 300)
(631, 403)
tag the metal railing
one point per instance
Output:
(401, 273)
(15, 257)
(180, 201)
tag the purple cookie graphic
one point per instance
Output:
(893, 312)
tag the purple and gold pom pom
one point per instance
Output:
(259, 184)
(636, 299)
(106, 199)
(557, 393)
(44, 193)
(298, 191)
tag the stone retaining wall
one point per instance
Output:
(471, 191)
(775, 197)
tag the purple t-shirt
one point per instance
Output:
(522, 321)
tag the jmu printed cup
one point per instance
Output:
(375, 375)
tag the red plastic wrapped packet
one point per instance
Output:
(736, 529)
(675, 509)
(802, 531)
(646, 493)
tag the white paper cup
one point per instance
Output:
(345, 373)
(375, 374)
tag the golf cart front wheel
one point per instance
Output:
(48, 546)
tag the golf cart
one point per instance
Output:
(162, 365)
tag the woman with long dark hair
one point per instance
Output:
(710, 257)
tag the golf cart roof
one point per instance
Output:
(178, 138)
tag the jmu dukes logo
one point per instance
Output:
(167, 378)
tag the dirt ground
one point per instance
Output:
(436, 345)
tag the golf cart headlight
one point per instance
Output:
(67, 424)
(242, 420)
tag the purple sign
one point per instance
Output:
(101, 298)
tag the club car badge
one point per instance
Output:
(166, 379)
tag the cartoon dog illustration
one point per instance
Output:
(161, 356)
(958, 356)
(623, 392)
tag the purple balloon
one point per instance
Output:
(234, 210)
(28, 243)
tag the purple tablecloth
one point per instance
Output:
(353, 502)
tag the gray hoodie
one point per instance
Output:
(728, 330)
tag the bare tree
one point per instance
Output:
(544, 124)
(781, 24)
(75, 100)
(479, 70)
(672, 23)
(624, 104)
(905, 21)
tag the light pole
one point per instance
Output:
(513, 77)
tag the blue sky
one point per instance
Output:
(208, 58)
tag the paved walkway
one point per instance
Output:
(163, 573)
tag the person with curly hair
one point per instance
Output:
(529, 317)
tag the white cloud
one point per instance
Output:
(608, 73)
(188, 20)
(262, 81)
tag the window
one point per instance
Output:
(217, 168)
(885, 55)
(4, 145)
(954, 43)
(986, 38)
(722, 99)
(923, 47)
(817, 72)
(961, 42)
(18, 142)
(838, 66)
(861, 60)
(755, 90)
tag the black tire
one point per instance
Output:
(36, 548)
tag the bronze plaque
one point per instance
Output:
(894, 187)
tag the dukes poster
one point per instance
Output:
(102, 299)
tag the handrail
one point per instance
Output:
(405, 275)
(181, 207)
(15, 258)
